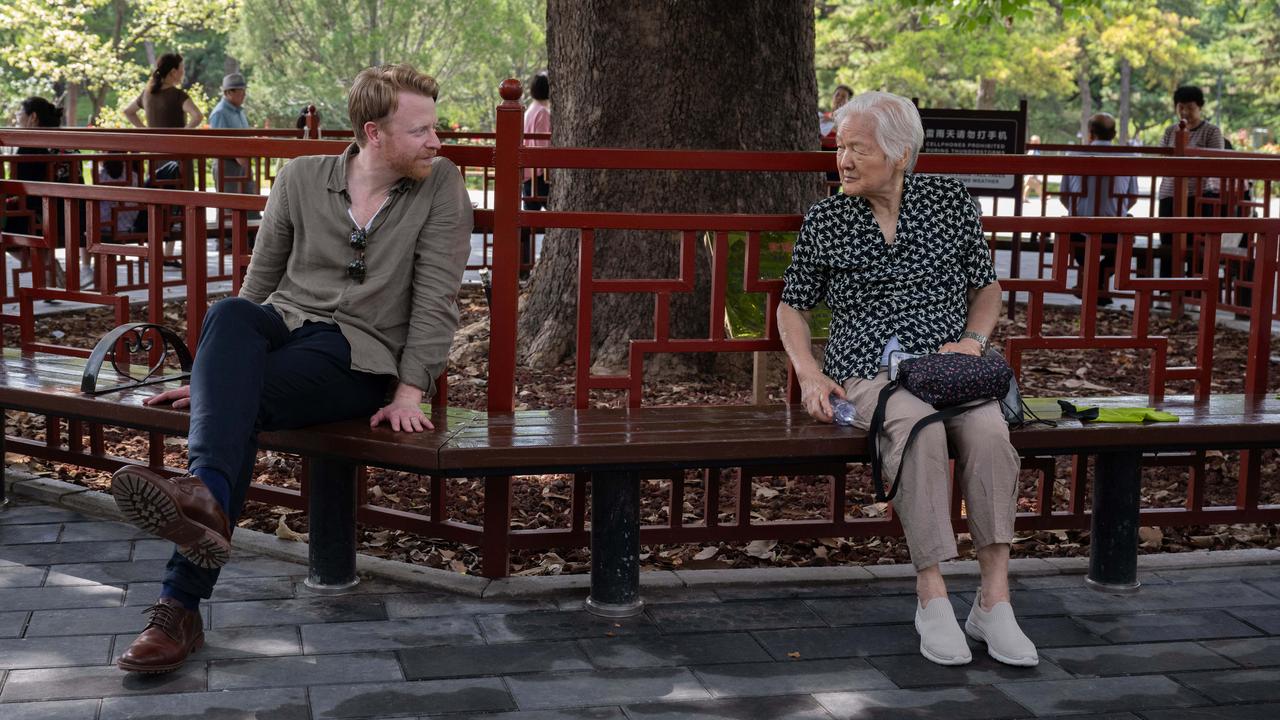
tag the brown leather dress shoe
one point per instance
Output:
(172, 633)
(179, 509)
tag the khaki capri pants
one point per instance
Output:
(986, 464)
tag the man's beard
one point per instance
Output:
(412, 168)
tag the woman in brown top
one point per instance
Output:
(164, 101)
(167, 106)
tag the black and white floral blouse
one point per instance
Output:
(915, 288)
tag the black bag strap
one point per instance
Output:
(877, 425)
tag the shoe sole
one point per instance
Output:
(975, 632)
(150, 508)
(161, 669)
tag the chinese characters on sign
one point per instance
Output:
(976, 132)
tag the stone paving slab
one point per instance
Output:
(671, 651)
(794, 678)
(97, 682)
(106, 573)
(914, 671)
(560, 625)
(304, 670)
(795, 707)
(540, 691)
(980, 703)
(389, 634)
(1157, 627)
(55, 553)
(1085, 695)
(29, 534)
(1235, 686)
(52, 710)
(37, 652)
(12, 623)
(276, 704)
(752, 615)
(1200, 641)
(420, 697)
(296, 611)
(22, 576)
(237, 643)
(110, 621)
(426, 663)
(1138, 658)
(1248, 652)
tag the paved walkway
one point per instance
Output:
(1194, 643)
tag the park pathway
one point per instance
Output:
(1200, 640)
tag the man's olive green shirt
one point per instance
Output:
(400, 321)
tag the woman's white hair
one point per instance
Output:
(898, 129)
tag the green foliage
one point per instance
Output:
(97, 44)
(941, 50)
(303, 52)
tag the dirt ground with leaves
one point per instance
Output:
(546, 501)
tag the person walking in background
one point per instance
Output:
(1033, 183)
(537, 119)
(827, 130)
(232, 174)
(164, 101)
(167, 105)
(1099, 196)
(1188, 103)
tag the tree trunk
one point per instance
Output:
(1086, 100)
(150, 47)
(986, 93)
(664, 75)
(70, 106)
(1126, 70)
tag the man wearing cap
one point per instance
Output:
(228, 114)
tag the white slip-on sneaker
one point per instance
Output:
(998, 628)
(940, 638)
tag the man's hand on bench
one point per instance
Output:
(180, 397)
(404, 412)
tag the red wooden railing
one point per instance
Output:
(504, 161)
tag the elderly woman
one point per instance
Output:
(901, 261)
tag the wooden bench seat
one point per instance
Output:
(615, 446)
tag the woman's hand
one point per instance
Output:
(815, 391)
(181, 397)
(964, 346)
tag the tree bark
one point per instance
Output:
(673, 76)
(986, 93)
(1126, 92)
(1086, 99)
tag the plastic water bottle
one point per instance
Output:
(842, 411)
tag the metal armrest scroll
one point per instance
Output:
(136, 338)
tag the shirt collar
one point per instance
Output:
(338, 175)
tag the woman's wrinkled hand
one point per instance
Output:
(964, 346)
(180, 397)
(815, 392)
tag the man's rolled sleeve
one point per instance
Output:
(274, 243)
(443, 247)
(805, 280)
(975, 255)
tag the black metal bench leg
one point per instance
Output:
(332, 546)
(1113, 543)
(615, 545)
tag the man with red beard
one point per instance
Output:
(348, 310)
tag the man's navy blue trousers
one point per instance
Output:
(251, 373)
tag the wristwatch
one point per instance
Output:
(982, 339)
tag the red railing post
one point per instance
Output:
(506, 249)
(312, 124)
(1178, 253)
